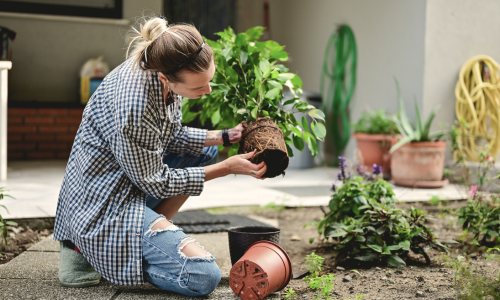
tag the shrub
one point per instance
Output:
(375, 122)
(248, 85)
(367, 226)
(3, 223)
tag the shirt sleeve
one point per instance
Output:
(139, 153)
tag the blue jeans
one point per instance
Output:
(164, 264)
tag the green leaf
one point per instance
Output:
(285, 76)
(243, 57)
(215, 118)
(289, 150)
(319, 130)
(396, 261)
(227, 53)
(254, 113)
(311, 240)
(394, 247)
(400, 143)
(375, 247)
(296, 81)
(232, 75)
(275, 74)
(241, 40)
(291, 101)
(304, 123)
(11, 223)
(265, 67)
(360, 239)
(274, 84)
(254, 33)
(258, 74)
(428, 123)
(298, 142)
(311, 143)
(337, 233)
(405, 245)
(281, 55)
(271, 94)
(418, 132)
(189, 117)
(316, 113)
(367, 257)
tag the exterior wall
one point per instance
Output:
(47, 54)
(42, 133)
(390, 39)
(456, 30)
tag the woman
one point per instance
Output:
(133, 165)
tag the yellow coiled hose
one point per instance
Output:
(478, 104)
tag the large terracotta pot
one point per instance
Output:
(263, 269)
(374, 149)
(419, 164)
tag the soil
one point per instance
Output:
(18, 240)
(434, 281)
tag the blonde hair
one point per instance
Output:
(161, 47)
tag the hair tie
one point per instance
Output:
(193, 56)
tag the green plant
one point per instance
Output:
(3, 223)
(472, 282)
(277, 208)
(316, 280)
(290, 294)
(248, 85)
(421, 131)
(481, 217)
(366, 225)
(375, 122)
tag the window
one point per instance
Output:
(82, 8)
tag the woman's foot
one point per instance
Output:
(74, 269)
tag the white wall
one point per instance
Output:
(456, 30)
(389, 36)
(47, 54)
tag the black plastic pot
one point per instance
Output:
(241, 238)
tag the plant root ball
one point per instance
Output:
(265, 136)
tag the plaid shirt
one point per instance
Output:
(115, 161)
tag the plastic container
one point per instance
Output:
(241, 238)
(264, 269)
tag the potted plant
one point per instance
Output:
(248, 87)
(418, 157)
(375, 133)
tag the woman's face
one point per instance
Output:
(195, 85)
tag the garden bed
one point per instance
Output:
(377, 282)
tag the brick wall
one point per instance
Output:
(42, 133)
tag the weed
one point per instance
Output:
(323, 283)
(290, 294)
(4, 229)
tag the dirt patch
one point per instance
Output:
(19, 239)
(416, 281)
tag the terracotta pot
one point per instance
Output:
(241, 238)
(264, 269)
(419, 165)
(374, 149)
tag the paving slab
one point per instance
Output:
(46, 245)
(149, 292)
(32, 265)
(16, 289)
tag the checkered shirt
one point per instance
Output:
(116, 160)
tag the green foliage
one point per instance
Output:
(418, 133)
(277, 208)
(472, 282)
(375, 122)
(290, 294)
(3, 223)
(248, 85)
(481, 218)
(324, 283)
(365, 223)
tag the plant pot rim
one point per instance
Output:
(290, 273)
(436, 144)
(273, 230)
(374, 137)
(425, 184)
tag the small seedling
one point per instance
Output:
(290, 294)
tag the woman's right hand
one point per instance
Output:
(240, 164)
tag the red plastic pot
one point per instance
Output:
(264, 269)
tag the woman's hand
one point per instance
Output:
(235, 134)
(240, 164)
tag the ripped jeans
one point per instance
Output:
(164, 264)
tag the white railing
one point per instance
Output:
(4, 67)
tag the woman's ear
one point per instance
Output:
(163, 78)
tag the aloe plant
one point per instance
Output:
(418, 133)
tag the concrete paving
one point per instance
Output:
(33, 275)
(36, 185)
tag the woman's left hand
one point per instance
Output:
(235, 134)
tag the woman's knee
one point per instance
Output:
(206, 279)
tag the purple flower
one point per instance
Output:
(340, 176)
(342, 163)
(334, 187)
(360, 170)
(377, 169)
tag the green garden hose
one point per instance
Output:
(338, 77)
